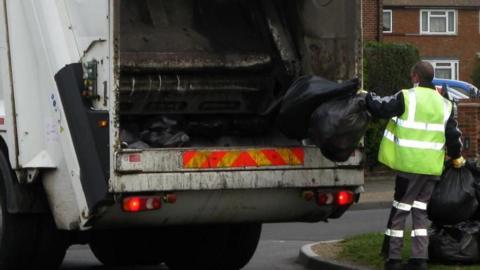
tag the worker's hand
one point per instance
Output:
(458, 162)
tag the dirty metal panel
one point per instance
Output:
(167, 61)
(173, 160)
(191, 34)
(147, 182)
(331, 44)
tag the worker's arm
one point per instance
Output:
(385, 107)
(453, 137)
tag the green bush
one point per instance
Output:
(386, 71)
(373, 136)
(387, 67)
(476, 74)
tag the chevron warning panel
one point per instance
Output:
(256, 157)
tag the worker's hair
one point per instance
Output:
(424, 70)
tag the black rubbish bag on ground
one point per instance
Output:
(337, 126)
(455, 244)
(474, 166)
(303, 97)
(453, 199)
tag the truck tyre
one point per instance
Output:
(242, 243)
(220, 247)
(51, 245)
(126, 247)
(16, 234)
(16, 230)
(27, 241)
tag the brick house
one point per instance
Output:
(446, 32)
(372, 20)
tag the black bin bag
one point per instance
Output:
(303, 97)
(474, 166)
(453, 199)
(455, 244)
(337, 126)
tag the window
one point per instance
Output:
(438, 22)
(445, 69)
(387, 21)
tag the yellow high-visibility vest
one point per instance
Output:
(415, 141)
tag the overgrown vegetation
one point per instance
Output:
(365, 250)
(386, 71)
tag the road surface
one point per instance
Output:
(279, 246)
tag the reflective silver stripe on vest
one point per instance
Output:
(412, 143)
(420, 205)
(394, 233)
(412, 109)
(419, 125)
(419, 232)
(446, 109)
(412, 104)
(402, 206)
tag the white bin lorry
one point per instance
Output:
(195, 86)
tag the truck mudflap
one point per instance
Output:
(240, 168)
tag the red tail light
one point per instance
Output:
(170, 198)
(325, 198)
(345, 197)
(308, 195)
(141, 203)
(341, 198)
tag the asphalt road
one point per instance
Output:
(279, 246)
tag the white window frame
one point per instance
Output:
(454, 64)
(429, 15)
(391, 20)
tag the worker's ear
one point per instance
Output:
(415, 78)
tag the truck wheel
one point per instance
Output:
(242, 243)
(16, 230)
(126, 247)
(27, 241)
(221, 247)
(51, 245)
(16, 234)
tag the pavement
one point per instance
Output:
(378, 194)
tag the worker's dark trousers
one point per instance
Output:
(412, 194)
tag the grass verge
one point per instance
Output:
(365, 250)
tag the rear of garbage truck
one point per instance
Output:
(145, 124)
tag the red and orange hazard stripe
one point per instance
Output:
(243, 158)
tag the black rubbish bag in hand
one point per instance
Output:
(337, 126)
(455, 244)
(453, 199)
(303, 97)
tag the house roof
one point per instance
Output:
(432, 3)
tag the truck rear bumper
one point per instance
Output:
(226, 206)
(252, 179)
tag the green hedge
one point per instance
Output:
(386, 71)
(387, 67)
(476, 74)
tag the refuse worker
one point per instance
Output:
(422, 123)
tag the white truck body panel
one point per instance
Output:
(43, 37)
